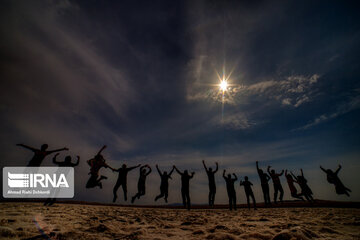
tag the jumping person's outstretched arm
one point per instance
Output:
(302, 173)
(224, 174)
(131, 168)
(157, 168)
(149, 170)
(177, 170)
(192, 174)
(323, 169)
(235, 177)
(217, 167)
(268, 170)
(257, 166)
(282, 172)
(57, 150)
(294, 176)
(27, 147)
(54, 159)
(285, 172)
(78, 161)
(101, 150)
(169, 174)
(203, 162)
(267, 177)
(337, 171)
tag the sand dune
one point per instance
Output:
(74, 221)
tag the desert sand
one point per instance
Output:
(76, 221)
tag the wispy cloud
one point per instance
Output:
(341, 109)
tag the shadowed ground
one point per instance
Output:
(75, 221)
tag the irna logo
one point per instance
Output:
(20, 180)
(38, 182)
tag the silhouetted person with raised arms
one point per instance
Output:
(96, 164)
(277, 184)
(40, 154)
(122, 180)
(164, 186)
(248, 191)
(332, 177)
(66, 163)
(305, 189)
(290, 180)
(185, 181)
(212, 186)
(230, 189)
(141, 183)
(264, 179)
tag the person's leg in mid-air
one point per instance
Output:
(253, 199)
(276, 190)
(234, 200)
(92, 182)
(281, 190)
(248, 200)
(183, 195)
(230, 201)
(188, 200)
(124, 187)
(266, 193)
(159, 196)
(166, 194)
(116, 187)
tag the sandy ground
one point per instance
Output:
(72, 221)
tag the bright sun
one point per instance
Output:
(223, 85)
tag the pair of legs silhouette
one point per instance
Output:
(249, 195)
(163, 193)
(141, 192)
(278, 188)
(94, 181)
(232, 200)
(212, 192)
(266, 193)
(116, 187)
(186, 198)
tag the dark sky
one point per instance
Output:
(141, 77)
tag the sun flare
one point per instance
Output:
(223, 85)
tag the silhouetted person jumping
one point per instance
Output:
(185, 193)
(164, 186)
(332, 178)
(305, 189)
(290, 180)
(277, 184)
(122, 180)
(230, 189)
(96, 164)
(66, 163)
(264, 178)
(212, 186)
(141, 182)
(39, 154)
(248, 191)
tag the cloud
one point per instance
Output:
(343, 108)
